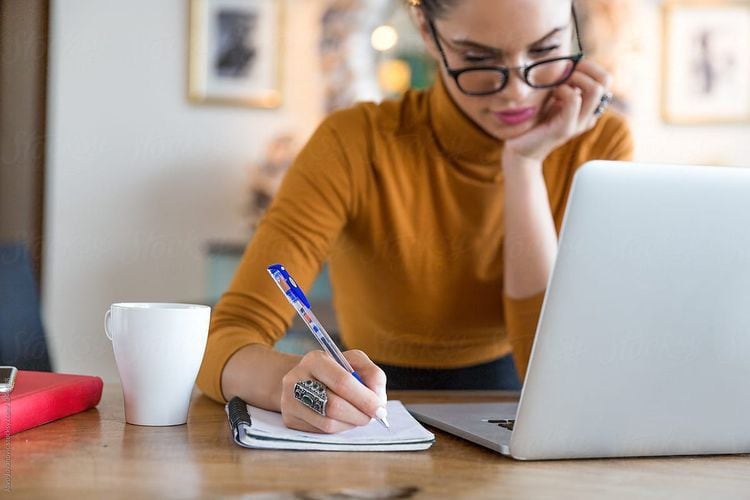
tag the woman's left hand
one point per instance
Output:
(568, 113)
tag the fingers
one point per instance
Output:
(371, 373)
(570, 109)
(341, 382)
(349, 402)
(592, 94)
(317, 423)
(340, 415)
(596, 72)
(595, 81)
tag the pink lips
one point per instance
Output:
(515, 116)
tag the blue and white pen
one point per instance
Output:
(299, 302)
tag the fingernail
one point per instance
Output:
(381, 412)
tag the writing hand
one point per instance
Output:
(350, 403)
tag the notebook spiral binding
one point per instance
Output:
(238, 413)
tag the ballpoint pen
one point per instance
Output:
(299, 302)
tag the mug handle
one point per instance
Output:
(107, 317)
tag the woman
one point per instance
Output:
(438, 214)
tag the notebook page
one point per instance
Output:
(404, 429)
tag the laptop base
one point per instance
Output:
(471, 421)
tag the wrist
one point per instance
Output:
(513, 164)
(514, 151)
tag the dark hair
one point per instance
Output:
(436, 8)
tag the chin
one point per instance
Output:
(505, 133)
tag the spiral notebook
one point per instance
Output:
(257, 428)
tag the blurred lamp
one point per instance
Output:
(394, 76)
(384, 38)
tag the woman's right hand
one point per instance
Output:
(350, 403)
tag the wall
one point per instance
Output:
(660, 142)
(138, 178)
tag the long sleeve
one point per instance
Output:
(521, 317)
(612, 140)
(308, 212)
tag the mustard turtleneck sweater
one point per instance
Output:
(405, 201)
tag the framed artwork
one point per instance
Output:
(706, 61)
(236, 52)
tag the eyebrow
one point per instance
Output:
(476, 45)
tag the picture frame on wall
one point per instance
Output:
(706, 61)
(236, 52)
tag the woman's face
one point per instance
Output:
(502, 33)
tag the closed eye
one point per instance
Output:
(469, 58)
(544, 50)
(485, 58)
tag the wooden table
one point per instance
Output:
(96, 455)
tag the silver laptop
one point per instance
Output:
(643, 344)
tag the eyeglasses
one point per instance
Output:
(486, 80)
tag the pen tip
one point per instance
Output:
(385, 423)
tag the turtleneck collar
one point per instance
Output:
(457, 134)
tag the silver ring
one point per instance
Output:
(312, 394)
(603, 103)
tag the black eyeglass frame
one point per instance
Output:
(505, 70)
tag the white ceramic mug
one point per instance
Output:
(158, 349)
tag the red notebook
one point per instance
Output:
(41, 397)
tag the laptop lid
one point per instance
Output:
(643, 344)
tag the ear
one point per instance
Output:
(424, 31)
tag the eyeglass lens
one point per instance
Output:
(544, 74)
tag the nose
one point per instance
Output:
(516, 90)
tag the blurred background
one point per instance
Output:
(140, 141)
